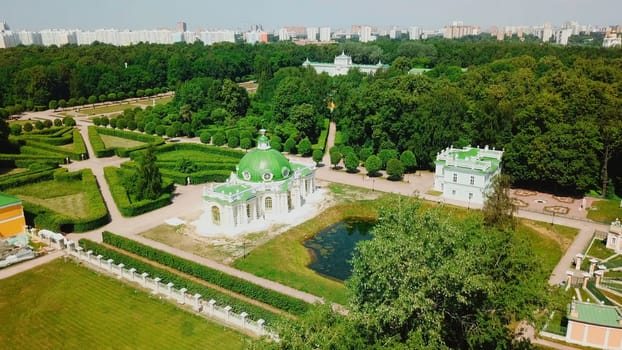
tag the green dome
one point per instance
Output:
(263, 163)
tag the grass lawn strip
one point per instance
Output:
(62, 305)
(202, 282)
(120, 142)
(606, 211)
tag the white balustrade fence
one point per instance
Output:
(181, 296)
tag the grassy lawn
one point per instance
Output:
(615, 262)
(607, 211)
(548, 242)
(65, 306)
(557, 324)
(87, 110)
(114, 141)
(159, 101)
(67, 198)
(599, 250)
(203, 156)
(284, 259)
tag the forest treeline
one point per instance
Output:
(555, 110)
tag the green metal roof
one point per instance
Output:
(231, 189)
(8, 200)
(603, 315)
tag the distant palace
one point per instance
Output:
(341, 66)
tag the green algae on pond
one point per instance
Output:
(333, 247)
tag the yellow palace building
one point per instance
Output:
(12, 221)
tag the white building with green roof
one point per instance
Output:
(465, 174)
(342, 65)
(266, 188)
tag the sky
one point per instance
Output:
(36, 15)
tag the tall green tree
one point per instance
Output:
(149, 179)
(498, 208)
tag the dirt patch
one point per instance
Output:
(563, 242)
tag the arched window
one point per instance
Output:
(215, 215)
(290, 204)
(268, 203)
(249, 212)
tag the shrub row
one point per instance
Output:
(200, 147)
(131, 135)
(321, 141)
(20, 179)
(55, 149)
(238, 285)
(78, 143)
(98, 215)
(60, 136)
(122, 200)
(197, 177)
(99, 148)
(207, 293)
(26, 159)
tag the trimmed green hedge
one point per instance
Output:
(54, 149)
(100, 148)
(20, 179)
(23, 160)
(122, 200)
(207, 293)
(78, 143)
(201, 148)
(98, 214)
(321, 141)
(53, 136)
(238, 285)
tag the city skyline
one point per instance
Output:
(34, 15)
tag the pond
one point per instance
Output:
(333, 247)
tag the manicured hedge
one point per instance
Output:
(238, 285)
(98, 214)
(200, 147)
(99, 148)
(51, 148)
(23, 160)
(207, 293)
(20, 179)
(197, 177)
(321, 141)
(155, 140)
(53, 136)
(122, 200)
(78, 143)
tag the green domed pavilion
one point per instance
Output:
(265, 188)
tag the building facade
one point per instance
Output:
(465, 174)
(594, 325)
(265, 188)
(12, 220)
(342, 64)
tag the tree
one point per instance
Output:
(58, 122)
(305, 120)
(92, 100)
(27, 127)
(351, 161)
(408, 160)
(246, 143)
(365, 152)
(304, 147)
(47, 123)
(433, 282)
(335, 157)
(317, 156)
(16, 129)
(290, 145)
(52, 104)
(498, 208)
(105, 121)
(233, 141)
(373, 165)
(39, 125)
(149, 180)
(395, 169)
(385, 155)
(205, 137)
(275, 142)
(69, 121)
(219, 138)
